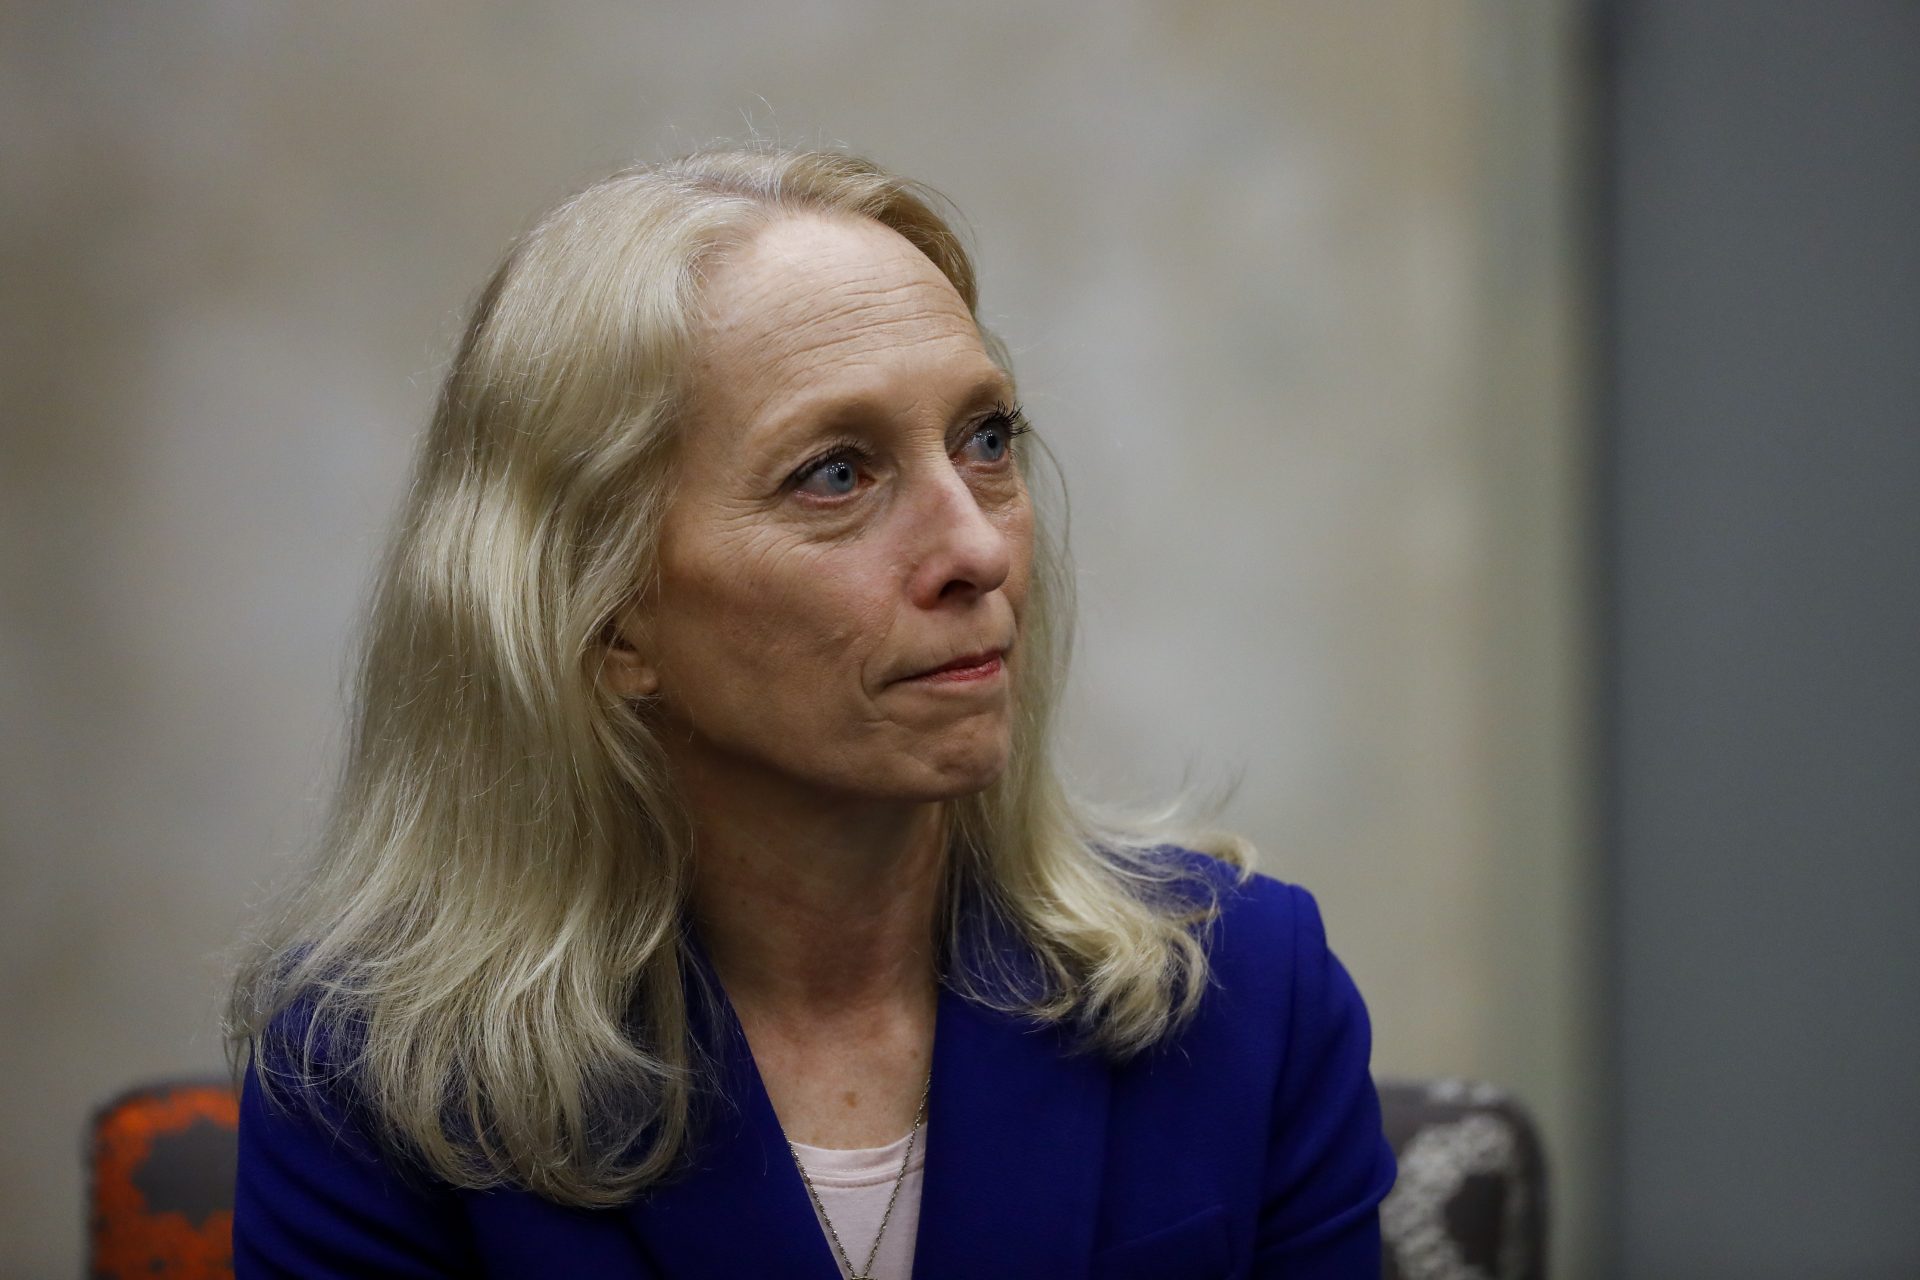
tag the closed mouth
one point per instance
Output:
(967, 663)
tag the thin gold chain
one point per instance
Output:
(840, 1250)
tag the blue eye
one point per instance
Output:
(994, 436)
(993, 443)
(834, 477)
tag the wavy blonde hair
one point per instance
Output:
(490, 946)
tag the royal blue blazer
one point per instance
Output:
(1249, 1145)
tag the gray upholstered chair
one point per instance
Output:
(1471, 1199)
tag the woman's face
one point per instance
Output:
(847, 518)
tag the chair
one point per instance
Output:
(1470, 1203)
(1471, 1199)
(160, 1179)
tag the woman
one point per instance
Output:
(701, 899)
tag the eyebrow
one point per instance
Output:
(822, 415)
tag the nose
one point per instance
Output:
(959, 551)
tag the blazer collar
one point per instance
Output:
(1016, 1127)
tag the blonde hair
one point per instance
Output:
(490, 948)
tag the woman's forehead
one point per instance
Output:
(809, 268)
(811, 302)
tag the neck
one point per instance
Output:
(814, 906)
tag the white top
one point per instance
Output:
(854, 1186)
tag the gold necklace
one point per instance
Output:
(840, 1251)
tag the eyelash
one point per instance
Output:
(1012, 419)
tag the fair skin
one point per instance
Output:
(847, 516)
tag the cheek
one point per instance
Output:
(1018, 529)
(779, 626)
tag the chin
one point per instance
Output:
(962, 770)
(971, 785)
(976, 777)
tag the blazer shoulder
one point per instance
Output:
(318, 1188)
(1257, 917)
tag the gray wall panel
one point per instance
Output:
(1765, 531)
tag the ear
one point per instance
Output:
(624, 667)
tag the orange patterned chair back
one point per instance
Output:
(161, 1191)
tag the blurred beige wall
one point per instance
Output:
(1291, 289)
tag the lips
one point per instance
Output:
(965, 662)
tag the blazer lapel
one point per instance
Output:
(742, 1209)
(1016, 1141)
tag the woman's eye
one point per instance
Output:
(993, 438)
(992, 441)
(835, 477)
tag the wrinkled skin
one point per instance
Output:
(790, 611)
